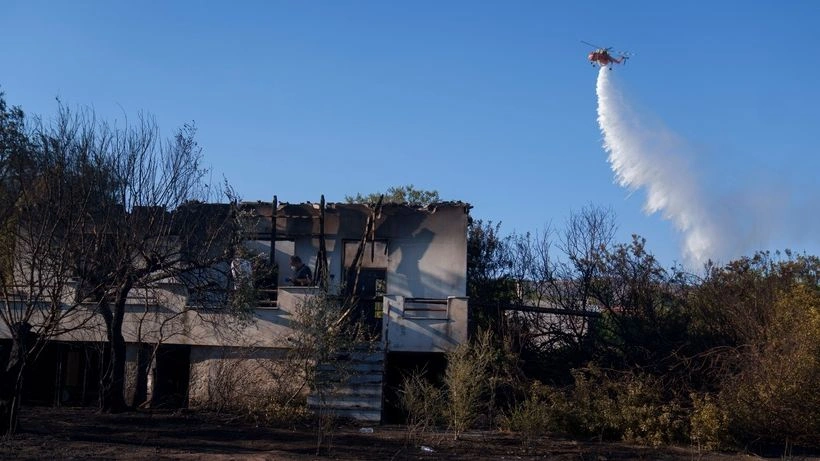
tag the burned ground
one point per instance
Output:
(83, 433)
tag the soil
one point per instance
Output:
(83, 433)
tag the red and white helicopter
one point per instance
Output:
(602, 56)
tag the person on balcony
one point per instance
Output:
(302, 277)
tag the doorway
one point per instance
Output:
(171, 377)
(370, 285)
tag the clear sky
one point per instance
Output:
(488, 102)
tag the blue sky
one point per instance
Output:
(492, 103)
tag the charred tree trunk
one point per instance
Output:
(144, 359)
(11, 378)
(113, 383)
(113, 395)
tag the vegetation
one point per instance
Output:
(400, 194)
(466, 382)
(44, 196)
(423, 402)
(617, 347)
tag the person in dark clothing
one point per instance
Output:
(301, 273)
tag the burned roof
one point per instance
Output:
(300, 219)
(284, 209)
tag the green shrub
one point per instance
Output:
(770, 392)
(628, 406)
(707, 423)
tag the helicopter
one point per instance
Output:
(602, 56)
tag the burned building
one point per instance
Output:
(404, 265)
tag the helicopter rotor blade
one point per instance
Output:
(590, 44)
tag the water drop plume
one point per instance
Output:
(652, 158)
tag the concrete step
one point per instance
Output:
(351, 367)
(335, 378)
(367, 389)
(361, 356)
(350, 385)
(345, 402)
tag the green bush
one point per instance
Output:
(627, 406)
(774, 395)
(708, 423)
(615, 406)
(761, 316)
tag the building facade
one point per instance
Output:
(405, 266)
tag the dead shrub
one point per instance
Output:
(466, 380)
(423, 402)
(262, 390)
(543, 410)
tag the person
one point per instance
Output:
(301, 273)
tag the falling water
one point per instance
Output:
(651, 159)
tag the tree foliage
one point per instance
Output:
(151, 222)
(654, 354)
(757, 320)
(398, 194)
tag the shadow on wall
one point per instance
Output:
(410, 254)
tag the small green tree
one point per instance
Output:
(644, 319)
(398, 194)
(489, 285)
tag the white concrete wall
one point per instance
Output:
(430, 260)
(424, 327)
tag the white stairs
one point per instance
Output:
(350, 387)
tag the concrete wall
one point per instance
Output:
(428, 254)
(423, 326)
(242, 378)
(427, 250)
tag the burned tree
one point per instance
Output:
(148, 224)
(44, 199)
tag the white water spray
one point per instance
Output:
(649, 159)
(716, 224)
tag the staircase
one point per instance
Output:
(350, 387)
